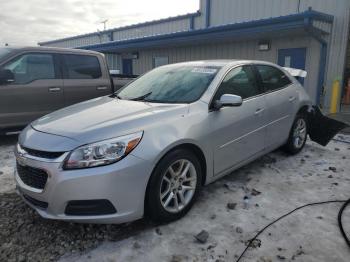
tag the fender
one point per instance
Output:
(322, 128)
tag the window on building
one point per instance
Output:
(29, 67)
(112, 60)
(272, 78)
(239, 81)
(160, 60)
(82, 67)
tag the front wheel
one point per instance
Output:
(297, 136)
(173, 186)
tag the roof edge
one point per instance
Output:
(116, 29)
(297, 18)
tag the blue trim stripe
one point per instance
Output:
(207, 13)
(164, 20)
(293, 21)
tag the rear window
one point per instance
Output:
(272, 78)
(82, 67)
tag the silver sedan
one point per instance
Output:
(148, 149)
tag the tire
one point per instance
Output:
(155, 205)
(297, 135)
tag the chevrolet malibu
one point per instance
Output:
(149, 148)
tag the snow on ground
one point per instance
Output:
(275, 184)
(7, 163)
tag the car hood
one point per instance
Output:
(106, 117)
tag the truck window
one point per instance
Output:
(82, 67)
(29, 67)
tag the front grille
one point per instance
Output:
(31, 176)
(36, 202)
(42, 154)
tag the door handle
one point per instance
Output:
(54, 89)
(292, 98)
(101, 88)
(258, 111)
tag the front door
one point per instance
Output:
(37, 89)
(294, 58)
(127, 66)
(238, 133)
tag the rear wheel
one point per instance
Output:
(297, 136)
(173, 186)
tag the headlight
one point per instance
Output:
(102, 153)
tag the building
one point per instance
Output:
(306, 34)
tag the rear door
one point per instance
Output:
(281, 97)
(36, 90)
(84, 77)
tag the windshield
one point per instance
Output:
(171, 84)
(4, 52)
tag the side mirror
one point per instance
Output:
(6, 76)
(227, 100)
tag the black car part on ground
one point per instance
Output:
(321, 128)
(346, 203)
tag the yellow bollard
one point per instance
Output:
(335, 96)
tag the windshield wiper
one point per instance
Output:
(140, 98)
(115, 95)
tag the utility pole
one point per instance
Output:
(104, 22)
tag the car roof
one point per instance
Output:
(222, 62)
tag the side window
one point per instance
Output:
(29, 67)
(82, 67)
(239, 81)
(272, 78)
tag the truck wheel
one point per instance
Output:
(173, 186)
(297, 136)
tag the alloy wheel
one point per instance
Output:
(178, 185)
(299, 134)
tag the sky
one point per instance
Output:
(27, 22)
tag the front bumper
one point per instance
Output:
(123, 184)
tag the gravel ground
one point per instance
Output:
(273, 185)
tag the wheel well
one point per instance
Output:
(197, 152)
(303, 109)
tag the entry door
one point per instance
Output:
(294, 58)
(36, 90)
(127, 66)
(238, 133)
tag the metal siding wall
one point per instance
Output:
(323, 26)
(237, 50)
(149, 30)
(228, 11)
(233, 11)
(338, 42)
(156, 29)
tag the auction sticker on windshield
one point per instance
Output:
(204, 70)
